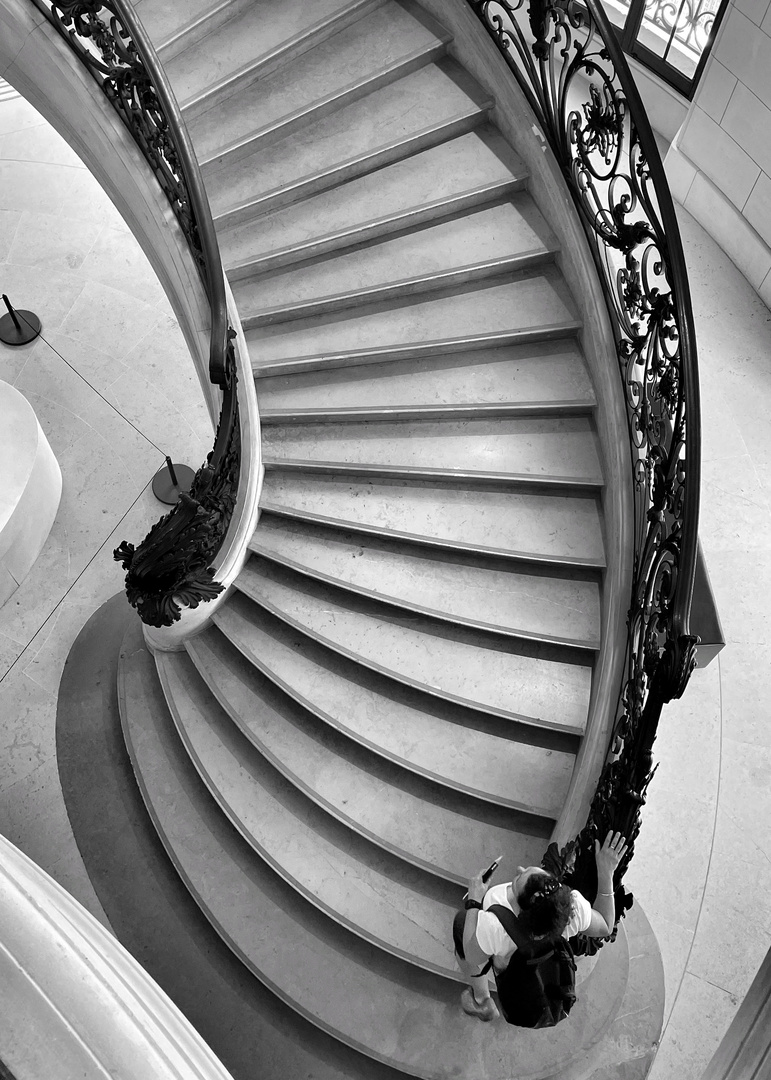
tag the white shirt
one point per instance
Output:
(493, 939)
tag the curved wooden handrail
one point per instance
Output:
(173, 567)
(572, 71)
(202, 224)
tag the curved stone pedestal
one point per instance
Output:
(30, 489)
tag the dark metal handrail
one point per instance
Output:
(174, 561)
(566, 59)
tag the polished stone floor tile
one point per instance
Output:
(701, 1014)
(38, 143)
(736, 508)
(116, 259)
(48, 293)
(744, 682)
(108, 318)
(9, 223)
(26, 727)
(734, 929)
(67, 255)
(52, 241)
(17, 115)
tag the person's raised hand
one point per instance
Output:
(610, 854)
(476, 887)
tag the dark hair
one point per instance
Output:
(545, 904)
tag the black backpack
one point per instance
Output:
(538, 988)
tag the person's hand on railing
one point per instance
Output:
(609, 855)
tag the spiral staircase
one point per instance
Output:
(412, 673)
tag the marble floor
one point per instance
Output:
(114, 391)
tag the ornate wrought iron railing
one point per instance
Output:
(688, 21)
(173, 564)
(573, 73)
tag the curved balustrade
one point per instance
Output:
(74, 1002)
(173, 566)
(566, 59)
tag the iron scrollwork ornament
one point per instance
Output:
(173, 566)
(97, 34)
(570, 69)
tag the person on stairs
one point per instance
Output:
(542, 904)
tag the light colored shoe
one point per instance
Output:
(485, 1010)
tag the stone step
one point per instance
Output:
(507, 599)
(531, 305)
(549, 372)
(381, 1006)
(437, 183)
(176, 25)
(255, 39)
(483, 757)
(361, 886)
(535, 447)
(545, 529)
(483, 243)
(366, 54)
(543, 685)
(438, 829)
(419, 110)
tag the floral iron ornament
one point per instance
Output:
(172, 566)
(570, 68)
(174, 563)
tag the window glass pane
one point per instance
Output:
(678, 30)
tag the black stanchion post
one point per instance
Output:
(18, 327)
(170, 481)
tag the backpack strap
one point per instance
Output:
(521, 938)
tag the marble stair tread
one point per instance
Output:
(173, 24)
(520, 769)
(417, 110)
(529, 682)
(545, 528)
(511, 446)
(546, 372)
(256, 32)
(370, 51)
(488, 240)
(535, 301)
(435, 183)
(510, 598)
(441, 831)
(384, 1008)
(371, 892)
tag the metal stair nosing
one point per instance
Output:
(316, 110)
(422, 285)
(314, 898)
(378, 228)
(492, 710)
(313, 183)
(569, 329)
(527, 809)
(579, 646)
(585, 407)
(444, 873)
(592, 568)
(581, 485)
(281, 54)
